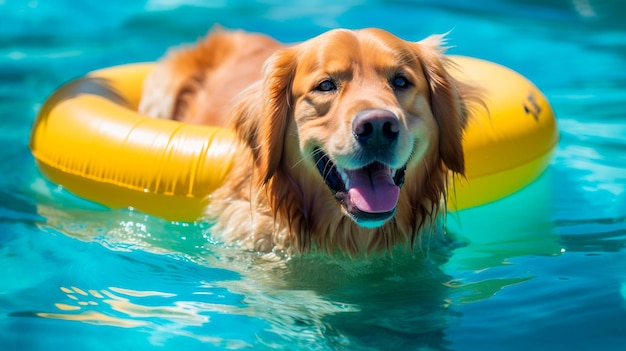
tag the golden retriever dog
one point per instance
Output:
(347, 140)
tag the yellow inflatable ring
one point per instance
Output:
(89, 139)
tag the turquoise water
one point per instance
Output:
(540, 270)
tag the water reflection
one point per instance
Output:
(406, 301)
(161, 314)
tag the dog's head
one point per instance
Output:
(359, 110)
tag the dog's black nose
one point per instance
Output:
(376, 128)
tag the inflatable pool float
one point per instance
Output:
(89, 139)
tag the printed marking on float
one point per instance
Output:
(532, 107)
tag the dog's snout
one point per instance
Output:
(376, 128)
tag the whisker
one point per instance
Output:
(327, 168)
(426, 167)
(303, 158)
(297, 163)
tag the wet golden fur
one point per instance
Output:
(275, 198)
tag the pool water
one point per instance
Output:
(540, 270)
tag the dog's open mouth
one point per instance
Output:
(369, 194)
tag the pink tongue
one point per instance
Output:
(372, 190)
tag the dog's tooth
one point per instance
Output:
(342, 174)
(344, 177)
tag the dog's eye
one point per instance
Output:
(326, 86)
(400, 82)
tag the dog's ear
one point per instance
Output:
(446, 102)
(276, 112)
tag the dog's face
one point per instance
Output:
(357, 109)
